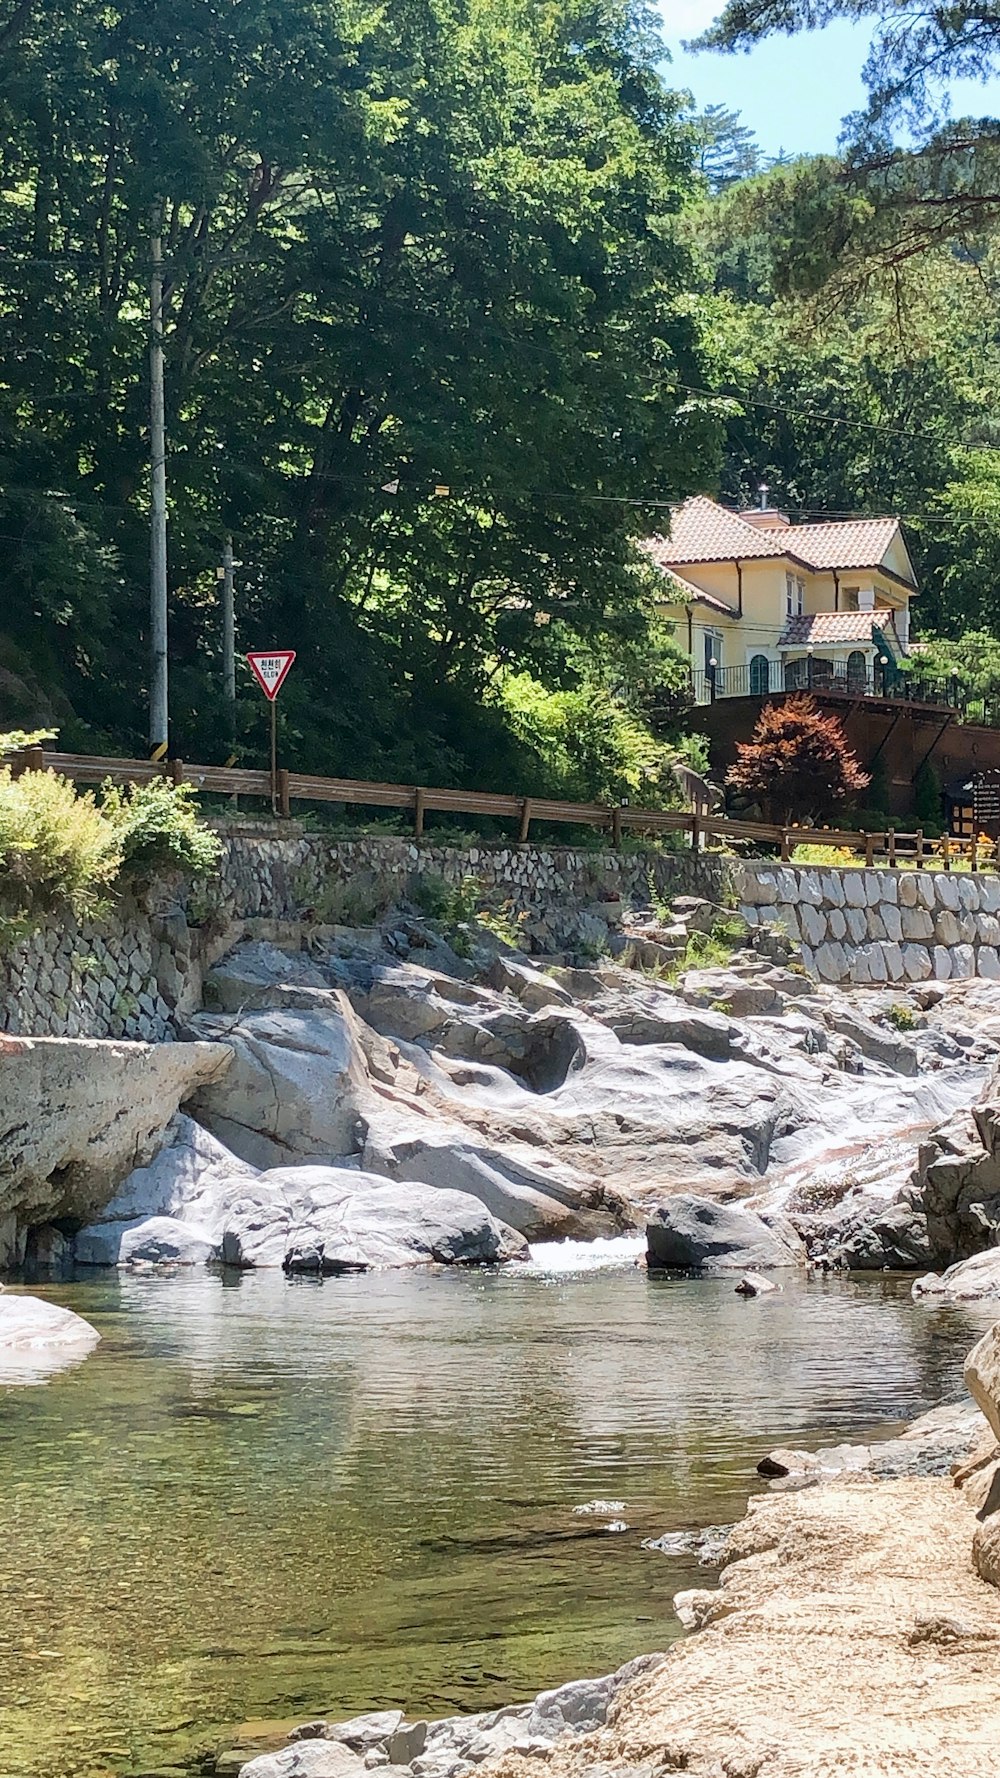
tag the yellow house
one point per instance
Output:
(761, 605)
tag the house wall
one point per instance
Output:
(764, 606)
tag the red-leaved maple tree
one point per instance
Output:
(797, 763)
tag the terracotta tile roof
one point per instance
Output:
(703, 531)
(852, 543)
(689, 594)
(835, 626)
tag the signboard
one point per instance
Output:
(271, 670)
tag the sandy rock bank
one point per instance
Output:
(851, 1635)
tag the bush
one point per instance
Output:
(157, 825)
(797, 763)
(927, 803)
(57, 849)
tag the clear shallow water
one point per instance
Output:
(272, 1499)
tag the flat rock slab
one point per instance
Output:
(38, 1338)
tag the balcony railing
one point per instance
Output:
(764, 678)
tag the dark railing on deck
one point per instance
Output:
(805, 674)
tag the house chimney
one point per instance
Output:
(765, 518)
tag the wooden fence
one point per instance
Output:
(891, 847)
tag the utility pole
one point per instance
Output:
(158, 698)
(228, 627)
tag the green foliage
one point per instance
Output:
(432, 895)
(727, 150)
(797, 763)
(428, 245)
(927, 797)
(974, 658)
(58, 850)
(363, 899)
(819, 854)
(901, 1017)
(157, 826)
(17, 739)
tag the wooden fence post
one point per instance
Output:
(946, 851)
(892, 848)
(27, 759)
(284, 793)
(175, 771)
(920, 848)
(869, 850)
(974, 851)
(616, 829)
(522, 832)
(786, 850)
(418, 811)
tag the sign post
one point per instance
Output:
(270, 671)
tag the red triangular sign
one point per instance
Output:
(271, 670)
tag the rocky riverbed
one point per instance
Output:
(374, 1098)
(379, 1102)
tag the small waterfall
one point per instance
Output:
(587, 1256)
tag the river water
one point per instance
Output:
(262, 1498)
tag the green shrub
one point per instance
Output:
(157, 825)
(902, 1017)
(363, 900)
(432, 895)
(58, 849)
(927, 796)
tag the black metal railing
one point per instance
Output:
(763, 678)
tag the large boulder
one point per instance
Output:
(172, 1208)
(295, 1087)
(702, 1234)
(958, 1175)
(982, 1376)
(327, 1220)
(75, 1115)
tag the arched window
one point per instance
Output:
(857, 671)
(759, 675)
(797, 674)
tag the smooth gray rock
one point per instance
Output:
(700, 1233)
(155, 1239)
(306, 1759)
(30, 1324)
(38, 1338)
(327, 1220)
(755, 1284)
(972, 1280)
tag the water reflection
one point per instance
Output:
(270, 1499)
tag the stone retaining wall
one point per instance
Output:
(877, 926)
(127, 976)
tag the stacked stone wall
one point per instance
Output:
(878, 926)
(129, 974)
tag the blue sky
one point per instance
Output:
(792, 91)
